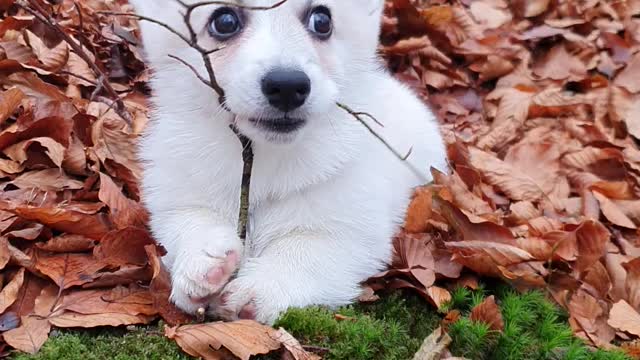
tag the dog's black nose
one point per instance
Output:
(286, 90)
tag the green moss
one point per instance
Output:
(148, 344)
(534, 329)
(391, 329)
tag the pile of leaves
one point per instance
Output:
(538, 103)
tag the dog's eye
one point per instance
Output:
(320, 22)
(224, 23)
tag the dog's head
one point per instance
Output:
(282, 69)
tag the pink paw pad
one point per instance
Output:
(248, 312)
(222, 273)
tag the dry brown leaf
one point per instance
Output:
(113, 143)
(591, 238)
(30, 336)
(438, 296)
(63, 218)
(484, 257)
(625, 318)
(489, 14)
(433, 346)
(125, 212)
(132, 300)
(242, 338)
(419, 211)
(67, 270)
(9, 102)
(629, 78)
(612, 212)
(20, 151)
(4, 252)
(48, 180)
(294, 350)
(124, 247)
(67, 243)
(535, 7)
(75, 320)
(505, 177)
(462, 196)
(558, 64)
(489, 313)
(632, 282)
(9, 293)
(51, 59)
(484, 231)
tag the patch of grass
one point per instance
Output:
(143, 343)
(391, 329)
(534, 329)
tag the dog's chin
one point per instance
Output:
(277, 130)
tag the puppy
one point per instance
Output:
(326, 195)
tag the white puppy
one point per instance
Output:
(326, 195)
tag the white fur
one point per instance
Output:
(325, 201)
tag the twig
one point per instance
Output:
(193, 69)
(358, 116)
(93, 83)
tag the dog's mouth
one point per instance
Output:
(283, 125)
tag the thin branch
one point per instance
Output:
(148, 19)
(358, 116)
(192, 68)
(35, 9)
(229, 3)
(93, 83)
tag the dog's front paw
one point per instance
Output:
(202, 269)
(250, 296)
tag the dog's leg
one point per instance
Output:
(297, 271)
(191, 188)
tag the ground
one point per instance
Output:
(390, 329)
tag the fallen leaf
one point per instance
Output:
(498, 173)
(242, 338)
(62, 219)
(75, 320)
(67, 243)
(433, 346)
(4, 252)
(9, 102)
(632, 282)
(68, 270)
(293, 347)
(30, 336)
(124, 247)
(489, 313)
(125, 212)
(625, 318)
(438, 296)
(9, 293)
